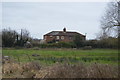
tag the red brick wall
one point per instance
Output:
(66, 38)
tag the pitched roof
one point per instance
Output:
(62, 33)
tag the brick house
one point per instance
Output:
(65, 36)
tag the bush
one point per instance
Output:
(87, 47)
(103, 43)
(79, 41)
(89, 44)
(58, 45)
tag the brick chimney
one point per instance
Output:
(64, 30)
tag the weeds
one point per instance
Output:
(35, 70)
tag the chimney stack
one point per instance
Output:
(64, 30)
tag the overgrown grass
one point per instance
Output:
(49, 56)
(58, 70)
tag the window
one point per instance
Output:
(51, 36)
(62, 37)
(57, 37)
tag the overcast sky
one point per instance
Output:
(40, 18)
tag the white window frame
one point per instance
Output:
(57, 37)
(62, 37)
(51, 36)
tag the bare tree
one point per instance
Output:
(110, 21)
(8, 37)
(23, 37)
(12, 38)
(25, 34)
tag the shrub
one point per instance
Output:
(58, 45)
(103, 43)
(78, 41)
(87, 47)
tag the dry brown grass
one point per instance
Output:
(35, 70)
(83, 71)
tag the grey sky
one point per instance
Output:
(39, 18)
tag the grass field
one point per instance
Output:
(60, 63)
(50, 56)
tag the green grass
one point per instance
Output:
(48, 56)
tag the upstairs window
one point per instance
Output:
(62, 37)
(51, 36)
(57, 37)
